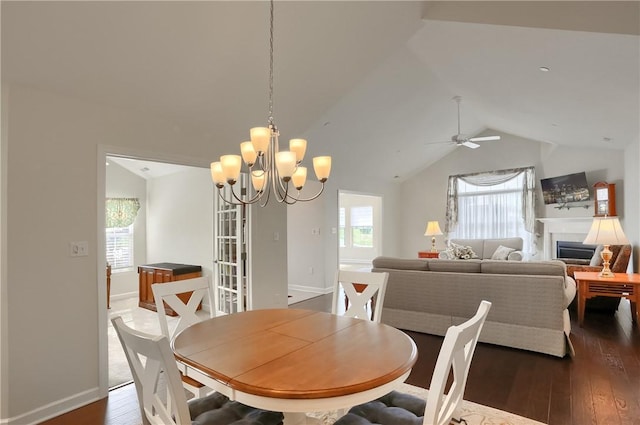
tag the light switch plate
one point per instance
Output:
(78, 249)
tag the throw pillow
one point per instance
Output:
(596, 260)
(460, 252)
(502, 253)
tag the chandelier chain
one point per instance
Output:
(271, 64)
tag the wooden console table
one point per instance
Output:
(428, 254)
(161, 273)
(622, 285)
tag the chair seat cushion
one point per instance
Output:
(217, 409)
(395, 408)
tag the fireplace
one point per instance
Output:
(573, 229)
(575, 251)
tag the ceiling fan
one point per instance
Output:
(460, 139)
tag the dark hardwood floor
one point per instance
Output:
(599, 386)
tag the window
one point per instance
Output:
(362, 227)
(120, 247)
(120, 214)
(496, 204)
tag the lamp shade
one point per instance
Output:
(433, 228)
(606, 231)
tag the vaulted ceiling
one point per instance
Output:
(369, 82)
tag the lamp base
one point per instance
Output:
(606, 273)
(433, 244)
(606, 255)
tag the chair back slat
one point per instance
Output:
(352, 283)
(158, 384)
(455, 356)
(167, 293)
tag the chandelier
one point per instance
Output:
(271, 169)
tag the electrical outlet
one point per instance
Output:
(78, 249)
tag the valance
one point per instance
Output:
(121, 212)
(490, 178)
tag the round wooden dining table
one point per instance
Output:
(295, 361)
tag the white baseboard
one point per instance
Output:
(312, 289)
(54, 409)
(124, 296)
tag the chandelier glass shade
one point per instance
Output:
(272, 171)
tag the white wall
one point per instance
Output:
(122, 183)
(180, 219)
(4, 310)
(631, 197)
(54, 301)
(424, 195)
(268, 256)
(305, 256)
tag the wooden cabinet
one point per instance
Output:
(161, 273)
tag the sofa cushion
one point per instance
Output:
(400, 263)
(548, 268)
(491, 245)
(477, 245)
(460, 252)
(456, 266)
(502, 253)
(484, 248)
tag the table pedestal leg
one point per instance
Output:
(296, 418)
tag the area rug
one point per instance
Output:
(472, 413)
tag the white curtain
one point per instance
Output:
(495, 204)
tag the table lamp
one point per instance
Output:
(606, 231)
(433, 229)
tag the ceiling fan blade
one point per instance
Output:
(438, 143)
(484, 139)
(470, 144)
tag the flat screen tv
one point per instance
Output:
(564, 189)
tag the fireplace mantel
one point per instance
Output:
(571, 228)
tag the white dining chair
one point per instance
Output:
(441, 406)
(360, 288)
(176, 296)
(160, 393)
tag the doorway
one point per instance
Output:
(174, 224)
(359, 231)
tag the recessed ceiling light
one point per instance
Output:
(544, 69)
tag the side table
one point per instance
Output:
(622, 285)
(428, 254)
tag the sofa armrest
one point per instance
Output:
(570, 290)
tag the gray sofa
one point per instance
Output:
(486, 248)
(530, 299)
